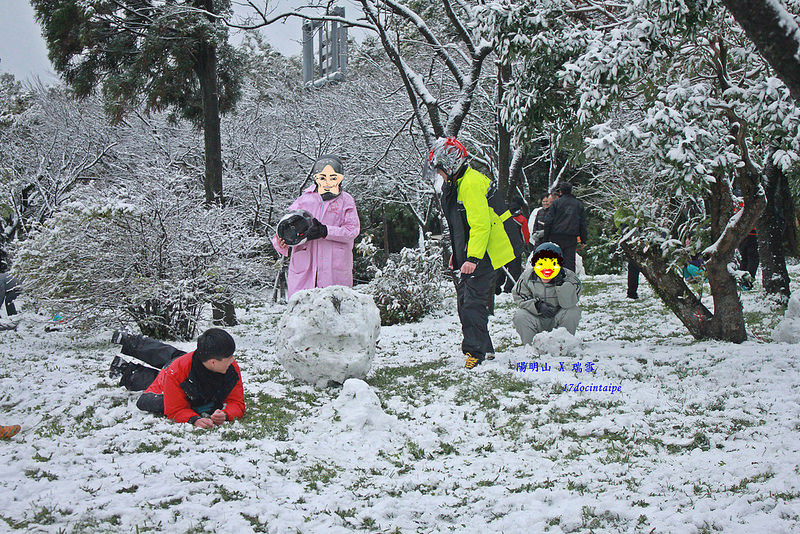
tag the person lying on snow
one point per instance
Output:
(202, 387)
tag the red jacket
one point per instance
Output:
(526, 233)
(176, 404)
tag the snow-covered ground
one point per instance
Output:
(701, 437)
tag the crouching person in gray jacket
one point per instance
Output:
(547, 295)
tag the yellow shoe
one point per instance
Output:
(8, 431)
(490, 356)
(472, 361)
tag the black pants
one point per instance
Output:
(473, 311)
(156, 354)
(504, 282)
(138, 377)
(568, 244)
(633, 280)
(9, 290)
(748, 248)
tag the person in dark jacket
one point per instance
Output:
(202, 387)
(478, 238)
(508, 276)
(547, 295)
(748, 248)
(565, 223)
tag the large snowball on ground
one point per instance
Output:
(558, 342)
(788, 330)
(328, 335)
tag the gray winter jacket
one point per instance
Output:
(529, 288)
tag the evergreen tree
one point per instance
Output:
(162, 55)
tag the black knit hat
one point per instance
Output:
(215, 344)
(547, 250)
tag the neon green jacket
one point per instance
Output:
(485, 231)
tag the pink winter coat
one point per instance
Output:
(327, 261)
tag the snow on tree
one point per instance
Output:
(681, 85)
(152, 254)
(164, 55)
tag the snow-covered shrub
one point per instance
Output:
(409, 286)
(367, 261)
(155, 255)
(601, 255)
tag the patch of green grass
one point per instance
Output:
(94, 524)
(226, 495)
(347, 513)
(785, 495)
(316, 474)
(41, 515)
(169, 503)
(269, 416)
(763, 323)
(39, 458)
(591, 288)
(413, 381)
(286, 455)
(741, 486)
(447, 448)
(700, 440)
(531, 486)
(51, 427)
(579, 487)
(367, 523)
(417, 452)
(151, 447)
(38, 474)
(257, 525)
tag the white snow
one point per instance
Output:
(702, 437)
(788, 330)
(558, 342)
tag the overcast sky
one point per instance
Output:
(24, 54)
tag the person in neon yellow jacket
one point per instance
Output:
(478, 238)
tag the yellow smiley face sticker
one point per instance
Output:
(547, 268)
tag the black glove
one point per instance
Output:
(545, 309)
(317, 230)
(559, 278)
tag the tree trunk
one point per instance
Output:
(207, 74)
(223, 312)
(166, 321)
(728, 321)
(771, 231)
(503, 137)
(386, 242)
(776, 35)
(671, 288)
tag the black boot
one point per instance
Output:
(118, 336)
(118, 367)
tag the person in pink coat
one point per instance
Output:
(326, 257)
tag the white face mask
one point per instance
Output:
(432, 176)
(438, 183)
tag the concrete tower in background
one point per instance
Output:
(330, 64)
